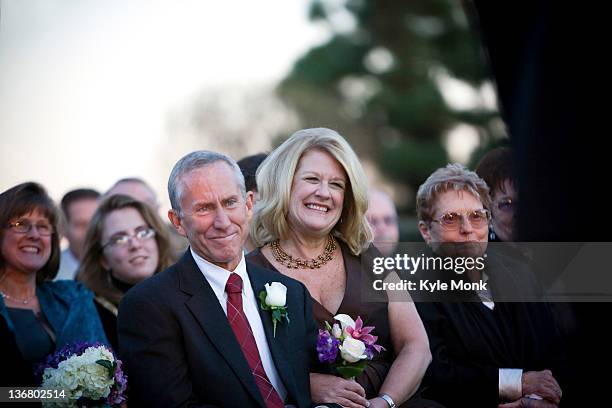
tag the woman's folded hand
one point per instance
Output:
(327, 388)
(541, 383)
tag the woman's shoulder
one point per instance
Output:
(257, 259)
(358, 265)
(67, 289)
(368, 252)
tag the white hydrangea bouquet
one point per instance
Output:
(90, 375)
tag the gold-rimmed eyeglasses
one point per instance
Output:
(452, 220)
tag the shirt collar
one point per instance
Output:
(216, 276)
(69, 258)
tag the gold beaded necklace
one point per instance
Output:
(290, 262)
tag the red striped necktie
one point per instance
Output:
(242, 330)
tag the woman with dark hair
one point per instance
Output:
(496, 168)
(40, 314)
(125, 244)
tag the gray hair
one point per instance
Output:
(456, 177)
(193, 161)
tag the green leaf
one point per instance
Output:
(276, 315)
(105, 363)
(262, 300)
(352, 369)
(109, 366)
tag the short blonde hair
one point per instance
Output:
(456, 177)
(275, 178)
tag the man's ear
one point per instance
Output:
(249, 203)
(175, 219)
(424, 230)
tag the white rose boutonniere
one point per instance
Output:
(274, 299)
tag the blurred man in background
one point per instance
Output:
(78, 207)
(382, 215)
(248, 166)
(136, 188)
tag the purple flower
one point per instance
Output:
(117, 395)
(327, 347)
(372, 349)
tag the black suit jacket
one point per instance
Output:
(179, 349)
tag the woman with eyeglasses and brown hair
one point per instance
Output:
(41, 315)
(496, 168)
(126, 243)
(486, 351)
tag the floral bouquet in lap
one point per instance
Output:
(89, 374)
(347, 346)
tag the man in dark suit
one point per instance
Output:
(195, 334)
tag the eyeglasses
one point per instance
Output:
(24, 226)
(124, 239)
(506, 205)
(452, 220)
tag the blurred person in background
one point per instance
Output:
(496, 168)
(248, 166)
(382, 216)
(78, 207)
(126, 243)
(485, 351)
(41, 315)
(140, 190)
(547, 91)
(136, 188)
(310, 222)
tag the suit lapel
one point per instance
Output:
(278, 345)
(205, 307)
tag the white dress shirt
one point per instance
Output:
(217, 278)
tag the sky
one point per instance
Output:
(87, 87)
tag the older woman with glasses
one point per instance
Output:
(41, 315)
(310, 224)
(125, 244)
(485, 351)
